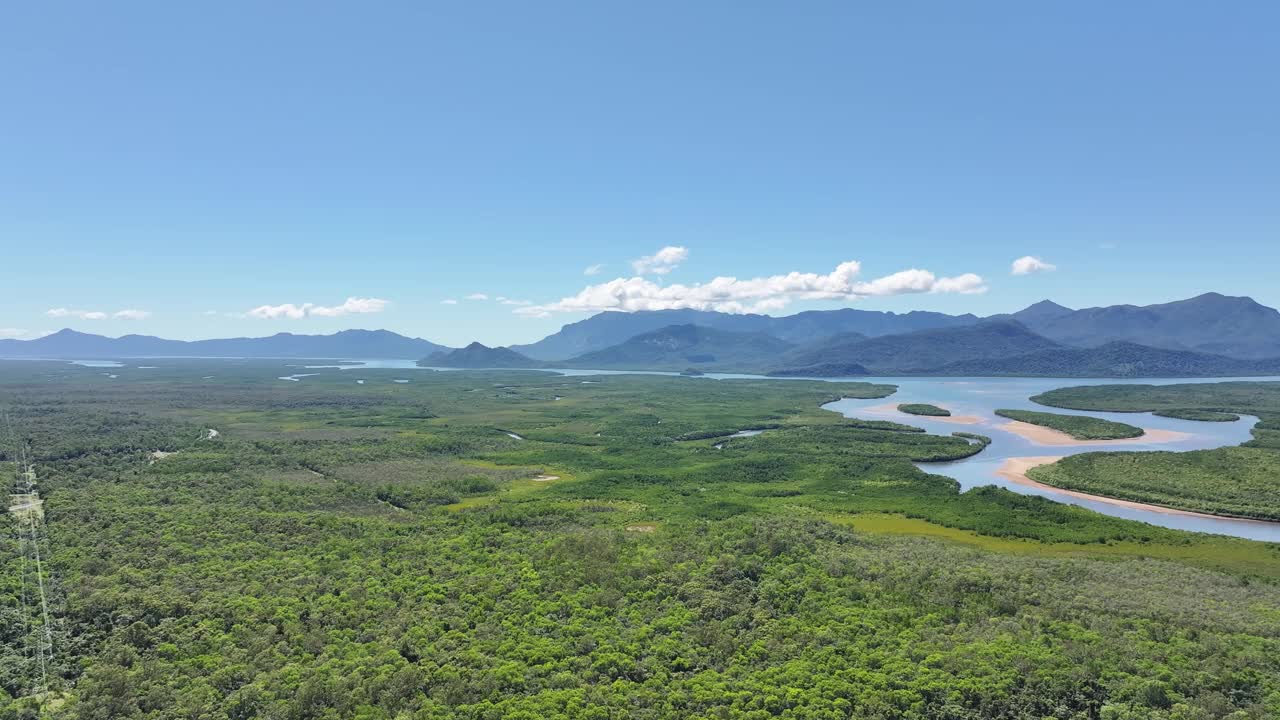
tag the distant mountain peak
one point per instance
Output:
(1048, 304)
(1211, 323)
(1043, 310)
(69, 333)
(478, 355)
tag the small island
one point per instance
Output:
(1198, 415)
(692, 372)
(1080, 427)
(924, 409)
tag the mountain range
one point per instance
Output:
(1209, 323)
(611, 328)
(680, 347)
(69, 344)
(1208, 335)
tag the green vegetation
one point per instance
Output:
(924, 409)
(1198, 415)
(382, 551)
(982, 440)
(1261, 399)
(1244, 482)
(1240, 481)
(1080, 427)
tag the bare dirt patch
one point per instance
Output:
(158, 455)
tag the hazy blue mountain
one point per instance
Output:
(814, 325)
(70, 344)
(607, 329)
(611, 328)
(1114, 359)
(679, 347)
(1209, 323)
(1043, 311)
(917, 351)
(477, 355)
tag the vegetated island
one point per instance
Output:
(1241, 481)
(1079, 427)
(924, 409)
(1198, 415)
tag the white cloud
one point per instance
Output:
(353, 305)
(477, 296)
(1028, 264)
(661, 262)
(209, 312)
(450, 301)
(764, 294)
(510, 301)
(10, 333)
(593, 269)
(129, 314)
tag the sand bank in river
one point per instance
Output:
(1048, 436)
(1015, 470)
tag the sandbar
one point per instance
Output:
(1041, 435)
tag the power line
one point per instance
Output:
(30, 510)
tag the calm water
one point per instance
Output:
(98, 363)
(981, 396)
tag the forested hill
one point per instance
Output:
(1116, 359)
(476, 355)
(680, 347)
(919, 351)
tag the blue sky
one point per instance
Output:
(196, 163)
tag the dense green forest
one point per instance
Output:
(924, 409)
(1198, 415)
(1080, 427)
(387, 549)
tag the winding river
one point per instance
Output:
(978, 398)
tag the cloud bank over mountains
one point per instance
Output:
(761, 294)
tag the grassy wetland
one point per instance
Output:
(387, 549)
